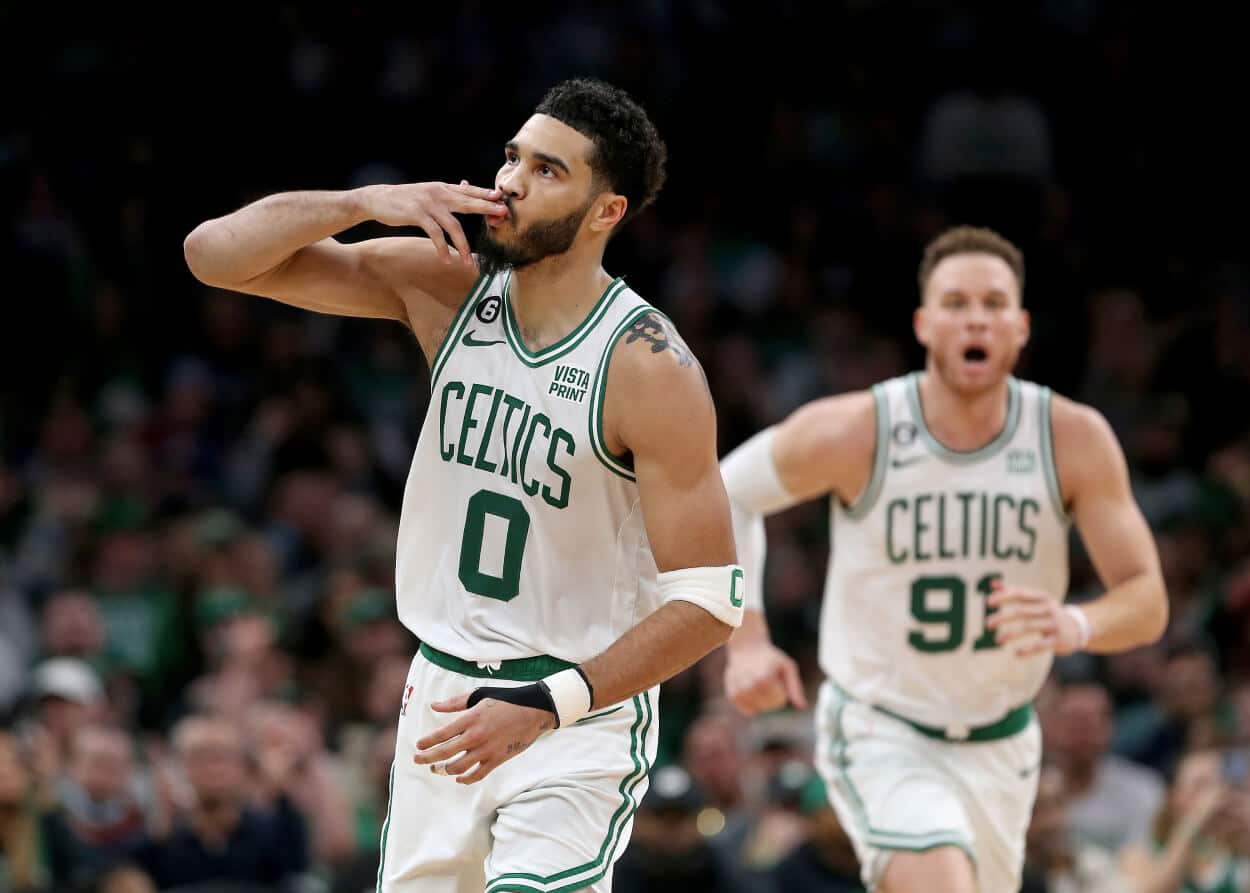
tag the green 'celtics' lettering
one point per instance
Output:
(931, 527)
(501, 443)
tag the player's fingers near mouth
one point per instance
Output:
(452, 226)
(480, 192)
(435, 233)
(466, 205)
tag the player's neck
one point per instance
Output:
(960, 421)
(551, 298)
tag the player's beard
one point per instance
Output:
(535, 242)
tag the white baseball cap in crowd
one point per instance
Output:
(68, 678)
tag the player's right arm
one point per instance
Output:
(282, 247)
(823, 447)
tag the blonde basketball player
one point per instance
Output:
(565, 543)
(952, 491)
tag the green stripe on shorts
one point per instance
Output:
(586, 874)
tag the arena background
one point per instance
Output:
(198, 490)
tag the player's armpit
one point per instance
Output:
(827, 446)
(1094, 483)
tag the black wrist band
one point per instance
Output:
(533, 695)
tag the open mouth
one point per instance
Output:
(975, 355)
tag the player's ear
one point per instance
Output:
(920, 325)
(607, 211)
(1025, 328)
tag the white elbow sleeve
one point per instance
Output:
(751, 477)
(755, 490)
(718, 590)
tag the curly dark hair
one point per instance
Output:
(970, 240)
(628, 154)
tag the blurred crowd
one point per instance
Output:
(200, 663)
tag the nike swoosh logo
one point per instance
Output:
(469, 341)
(902, 463)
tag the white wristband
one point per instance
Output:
(570, 693)
(1082, 622)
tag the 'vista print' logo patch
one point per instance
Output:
(570, 383)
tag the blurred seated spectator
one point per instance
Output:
(21, 861)
(778, 826)
(1109, 801)
(670, 852)
(713, 757)
(372, 800)
(1186, 711)
(361, 744)
(99, 819)
(825, 861)
(209, 832)
(67, 696)
(71, 626)
(290, 752)
(17, 641)
(1201, 838)
(125, 879)
(1056, 861)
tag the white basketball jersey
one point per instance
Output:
(911, 563)
(521, 534)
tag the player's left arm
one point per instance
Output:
(1094, 482)
(666, 420)
(660, 411)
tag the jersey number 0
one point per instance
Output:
(516, 520)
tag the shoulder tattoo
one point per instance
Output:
(658, 332)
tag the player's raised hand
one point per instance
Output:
(760, 677)
(482, 737)
(433, 206)
(1031, 621)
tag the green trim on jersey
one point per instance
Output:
(453, 331)
(876, 481)
(554, 351)
(582, 876)
(386, 826)
(521, 669)
(962, 457)
(1047, 436)
(877, 837)
(598, 397)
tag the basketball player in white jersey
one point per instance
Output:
(952, 490)
(565, 543)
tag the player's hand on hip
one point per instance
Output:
(433, 206)
(482, 737)
(760, 677)
(1031, 621)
